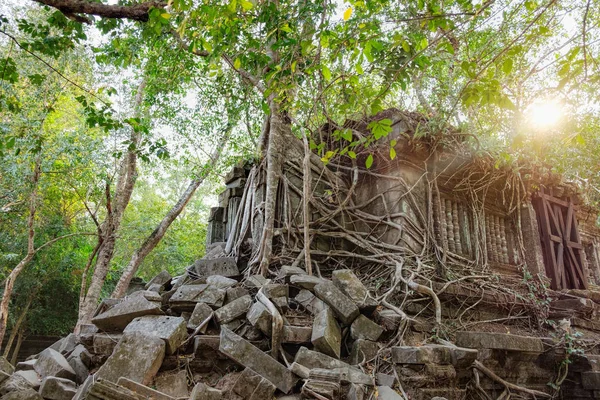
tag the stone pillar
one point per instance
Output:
(215, 231)
(531, 239)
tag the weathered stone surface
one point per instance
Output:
(200, 313)
(68, 344)
(281, 303)
(357, 392)
(307, 282)
(235, 293)
(363, 350)
(88, 328)
(251, 357)
(274, 290)
(25, 394)
(421, 354)
(170, 329)
(144, 391)
(32, 377)
(313, 359)
(54, 388)
(15, 383)
(260, 317)
(81, 370)
(172, 384)
(351, 286)
(312, 303)
(341, 304)
(220, 282)
(255, 281)
(387, 393)
(297, 334)
(501, 341)
(590, 380)
(385, 380)
(52, 363)
(133, 306)
(224, 266)
(25, 365)
(286, 271)
(300, 370)
(137, 356)
(233, 310)
(104, 343)
(104, 390)
(187, 296)
(161, 279)
(388, 319)
(82, 353)
(251, 386)
(364, 328)
(326, 334)
(203, 392)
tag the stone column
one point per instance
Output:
(531, 237)
(215, 231)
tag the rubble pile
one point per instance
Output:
(209, 334)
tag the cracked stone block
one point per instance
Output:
(173, 330)
(32, 377)
(388, 319)
(137, 356)
(363, 350)
(244, 353)
(172, 384)
(286, 271)
(342, 305)
(25, 394)
(259, 316)
(52, 363)
(104, 343)
(233, 310)
(200, 313)
(144, 391)
(203, 392)
(499, 341)
(161, 279)
(312, 303)
(251, 386)
(348, 282)
(119, 316)
(255, 281)
(326, 334)
(314, 359)
(14, 383)
(54, 388)
(220, 282)
(235, 293)
(224, 266)
(297, 334)
(307, 282)
(364, 328)
(187, 296)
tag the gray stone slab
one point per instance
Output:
(32, 377)
(14, 383)
(364, 328)
(170, 329)
(235, 293)
(363, 350)
(119, 316)
(137, 356)
(200, 313)
(260, 317)
(387, 393)
(187, 296)
(104, 343)
(342, 305)
(313, 359)
(307, 282)
(224, 266)
(286, 271)
(203, 392)
(348, 282)
(499, 341)
(220, 282)
(172, 384)
(143, 391)
(161, 279)
(25, 394)
(326, 334)
(297, 334)
(233, 310)
(244, 353)
(52, 363)
(251, 386)
(54, 388)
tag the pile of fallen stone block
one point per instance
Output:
(209, 334)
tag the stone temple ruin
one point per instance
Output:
(443, 276)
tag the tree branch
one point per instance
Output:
(71, 8)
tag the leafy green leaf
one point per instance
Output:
(369, 161)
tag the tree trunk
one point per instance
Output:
(156, 236)
(122, 196)
(12, 277)
(15, 354)
(15, 329)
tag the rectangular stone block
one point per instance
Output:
(200, 313)
(499, 341)
(351, 286)
(363, 350)
(326, 334)
(342, 305)
(297, 334)
(142, 390)
(244, 353)
(364, 328)
(233, 310)
(251, 386)
(119, 316)
(170, 329)
(224, 266)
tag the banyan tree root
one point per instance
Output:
(277, 326)
(511, 386)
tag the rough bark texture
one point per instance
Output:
(115, 210)
(156, 236)
(138, 12)
(12, 277)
